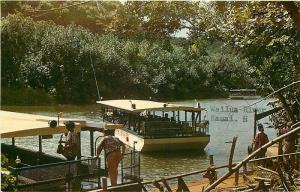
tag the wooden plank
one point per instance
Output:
(268, 170)
(231, 152)
(158, 186)
(182, 186)
(267, 113)
(167, 186)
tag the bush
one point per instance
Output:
(8, 181)
(25, 96)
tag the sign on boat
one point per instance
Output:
(157, 126)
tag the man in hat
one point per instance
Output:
(71, 148)
(260, 139)
(114, 150)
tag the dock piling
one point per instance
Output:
(92, 142)
(211, 160)
(236, 178)
(231, 153)
(167, 186)
(104, 183)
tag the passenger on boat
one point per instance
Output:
(71, 148)
(260, 139)
(114, 150)
(166, 117)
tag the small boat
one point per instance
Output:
(157, 126)
(243, 94)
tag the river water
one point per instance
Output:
(227, 118)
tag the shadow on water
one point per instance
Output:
(176, 154)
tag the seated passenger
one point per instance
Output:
(166, 117)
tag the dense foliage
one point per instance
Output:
(53, 46)
(59, 60)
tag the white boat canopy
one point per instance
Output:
(145, 105)
(22, 125)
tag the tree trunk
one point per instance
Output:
(294, 12)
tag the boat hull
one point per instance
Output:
(245, 97)
(162, 144)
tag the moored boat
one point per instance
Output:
(243, 94)
(157, 126)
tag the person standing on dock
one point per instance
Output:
(260, 139)
(114, 150)
(71, 148)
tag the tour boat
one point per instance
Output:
(157, 126)
(243, 94)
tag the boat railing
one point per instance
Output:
(73, 175)
(130, 166)
(174, 128)
(39, 177)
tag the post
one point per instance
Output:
(297, 162)
(17, 161)
(211, 160)
(236, 178)
(92, 142)
(99, 172)
(139, 165)
(131, 163)
(104, 183)
(122, 171)
(79, 145)
(254, 130)
(231, 153)
(13, 141)
(280, 151)
(245, 168)
(134, 166)
(40, 144)
(185, 116)
(199, 106)
(181, 185)
(193, 118)
(167, 186)
(178, 116)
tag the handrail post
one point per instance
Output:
(104, 183)
(99, 171)
(122, 171)
(40, 144)
(92, 142)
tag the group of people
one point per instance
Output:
(114, 149)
